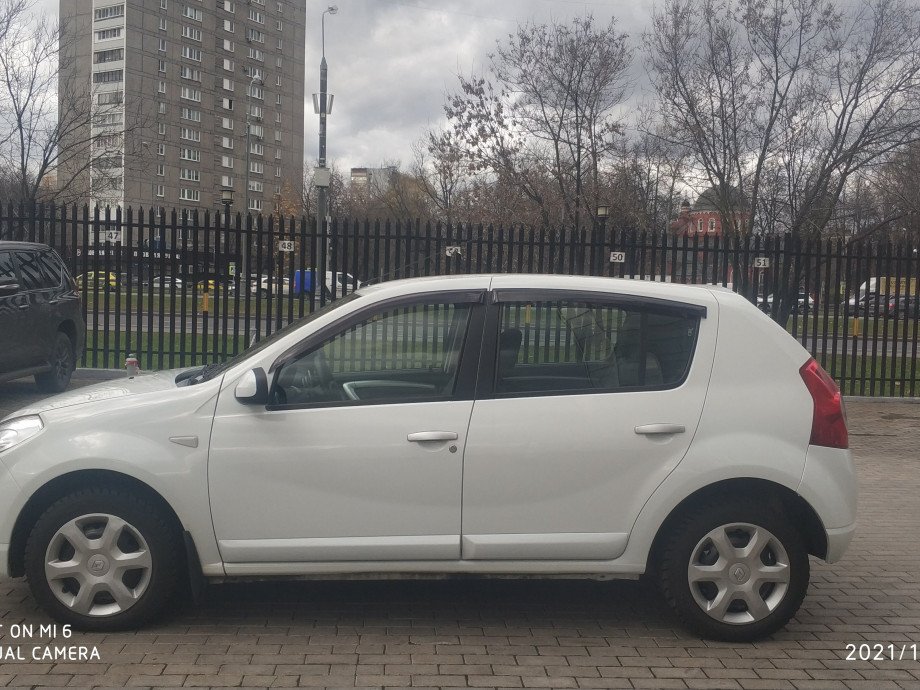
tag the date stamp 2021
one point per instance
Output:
(882, 652)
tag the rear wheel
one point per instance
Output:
(103, 559)
(62, 363)
(736, 571)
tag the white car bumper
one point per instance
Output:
(829, 486)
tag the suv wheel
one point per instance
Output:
(102, 559)
(62, 363)
(735, 572)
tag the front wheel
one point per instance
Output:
(103, 559)
(734, 571)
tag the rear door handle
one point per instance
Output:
(660, 429)
(423, 436)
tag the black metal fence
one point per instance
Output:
(182, 289)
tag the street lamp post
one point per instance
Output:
(603, 211)
(226, 198)
(322, 105)
(252, 82)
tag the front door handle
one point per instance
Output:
(423, 436)
(660, 429)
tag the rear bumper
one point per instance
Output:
(838, 540)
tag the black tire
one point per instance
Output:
(63, 363)
(162, 538)
(673, 557)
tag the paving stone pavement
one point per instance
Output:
(497, 633)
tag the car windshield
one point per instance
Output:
(206, 373)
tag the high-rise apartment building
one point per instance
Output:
(168, 86)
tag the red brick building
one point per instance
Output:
(703, 218)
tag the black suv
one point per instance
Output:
(41, 321)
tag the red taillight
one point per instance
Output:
(828, 424)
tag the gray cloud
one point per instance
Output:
(391, 62)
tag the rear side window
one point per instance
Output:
(30, 268)
(568, 346)
(7, 270)
(52, 268)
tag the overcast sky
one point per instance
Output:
(391, 62)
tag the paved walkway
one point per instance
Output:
(533, 633)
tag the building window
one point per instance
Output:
(228, 84)
(256, 54)
(160, 190)
(161, 86)
(277, 171)
(161, 45)
(191, 114)
(278, 61)
(256, 167)
(226, 181)
(162, 128)
(228, 26)
(228, 65)
(163, 25)
(227, 103)
(228, 45)
(161, 149)
(190, 175)
(278, 80)
(189, 73)
(190, 134)
(226, 5)
(278, 154)
(278, 118)
(190, 155)
(109, 76)
(226, 142)
(163, 4)
(109, 12)
(255, 204)
(226, 123)
(192, 13)
(109, 98)
(255, 111)
(256, 130)
(226, 162)
(277, 135)
(256, 186)
(256, 16)
(190, 94)
(279, 25)
(191, 53)
(256, 148)
(191, 32)
(161, 170)
(255, 35)
(108, 56)
(255, 91)
(186, 194)
(278, 99)
(161, 107)
(712, 225)
(108, 34)
(161, 66)
(280, 44)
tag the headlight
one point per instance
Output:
(15, 431)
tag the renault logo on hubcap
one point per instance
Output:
(739, 573)
(98, 564)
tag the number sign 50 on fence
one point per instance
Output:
(618, 257)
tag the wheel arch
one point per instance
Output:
(783, 498)
(65, 484)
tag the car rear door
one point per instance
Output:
(586, 403)
(41, 314)
(14, 303)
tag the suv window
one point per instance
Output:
(565, 346)
(52, 268)
(31, 270)
(7, 270)
(396, 355)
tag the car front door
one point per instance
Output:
(358, 456)
(592, 400)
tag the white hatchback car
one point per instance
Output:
(494, 425)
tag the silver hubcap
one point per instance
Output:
(98, 565)
(739, 573)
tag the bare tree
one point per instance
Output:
(547, 122)
(782, 103)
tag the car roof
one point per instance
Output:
(499, 281)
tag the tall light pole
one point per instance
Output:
(322, 105)
(252, 82)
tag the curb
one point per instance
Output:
(870, 399)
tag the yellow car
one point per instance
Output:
(97, 278)
(206, 286)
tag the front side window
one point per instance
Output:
(569, 346)
(7, 270)
(397, 355)
(30, 268)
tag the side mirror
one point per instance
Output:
(253, 388)
(8, 286)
